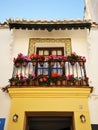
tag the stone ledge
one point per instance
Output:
(51, 92)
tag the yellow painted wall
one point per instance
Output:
(49, 100)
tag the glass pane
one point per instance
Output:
(46, 52)
(40, 52)
(59, 52)
(53, 52)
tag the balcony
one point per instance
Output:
(47, 86)
(62, 71)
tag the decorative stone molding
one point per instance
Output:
(66, 41)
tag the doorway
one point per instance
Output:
(49, 121)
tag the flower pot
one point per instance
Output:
(31, 83)
(70, 83)
(77, 83)
(52, 83)
(13, 83)
(41, 63)
(62, 63)
(34, 63)
(17, 65)
(36, 83)
(81, 63)
(25, 64)
(84, 82)
(64, 82)
(52, 63)
(25, 83)
(58, 83)
(72, 62)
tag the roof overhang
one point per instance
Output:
(48, 25)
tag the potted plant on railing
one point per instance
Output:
(81, 60)
(54, 79)
(84, 81)
(41, 59)
(64, 80)
(71, 80)
(25, 60)
(62, 60)
(73, 58)
(31, 78)
(51, 59)
(34, 59)
(21, 60)
(43, 79)
(61, 80)
(14, 81)
(18, 60)
(24, 80)
(78, 81)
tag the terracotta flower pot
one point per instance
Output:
(84, 82)
(70, 83)
(62, 63)
(17, 65)
(34, 63)
(52, 83)
(31, 83)
(80, 63)
(25, 83)
(36, 83)
(72, 62)
(77, 83)
(13, 83)
(41, 63)
(58, 83)
(52, 63)
(64, 82)
(25, 63)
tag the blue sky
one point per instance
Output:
(41, 9)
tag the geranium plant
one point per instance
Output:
(51, 58)
(14, 80)
(71, 78)
(36, 57)
(82, 58)
(43, 79)
(61, 58)
(72, 58)
(20, 59)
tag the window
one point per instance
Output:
(46, 51)
(50, 46)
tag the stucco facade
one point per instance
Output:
(83, 42)
(17, 40)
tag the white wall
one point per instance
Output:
(91, 12)
(93, 68)
(78, 38)
(5, 71)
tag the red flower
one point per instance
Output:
(86, 78)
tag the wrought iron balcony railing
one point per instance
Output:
(44, 73)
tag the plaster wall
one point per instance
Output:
(91, 10)
(93, 65)
(78, 39)
(5, 72)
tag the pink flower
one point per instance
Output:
(24, 78)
